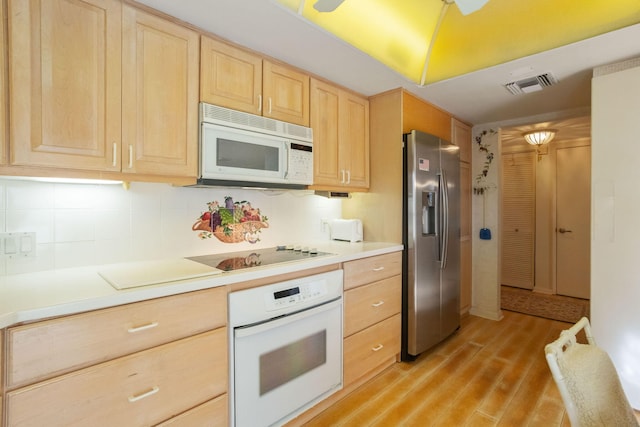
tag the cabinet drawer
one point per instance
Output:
(369, 304)
(367, 270)
(369, 348)
(140, 389)
(213, 413)
(45, 349)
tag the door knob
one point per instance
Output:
(564, 230)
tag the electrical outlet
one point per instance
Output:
(14, 245)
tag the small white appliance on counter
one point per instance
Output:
(349, 230)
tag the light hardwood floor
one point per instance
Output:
(487, 374)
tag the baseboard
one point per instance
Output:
(491, 315)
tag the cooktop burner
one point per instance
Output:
(254, 258)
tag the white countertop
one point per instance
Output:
(34, 296)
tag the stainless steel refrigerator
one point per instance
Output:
(431, 237)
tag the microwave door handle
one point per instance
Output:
(287, 157)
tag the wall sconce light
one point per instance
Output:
(539, 137)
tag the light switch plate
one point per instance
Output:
(17, 245)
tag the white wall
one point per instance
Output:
(615, 246)
(485, 278)
(80, 225)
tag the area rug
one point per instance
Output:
(555, 307)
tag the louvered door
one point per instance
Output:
(518, 219)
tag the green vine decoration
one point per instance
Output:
(481, 186)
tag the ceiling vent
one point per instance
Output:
(531, 84)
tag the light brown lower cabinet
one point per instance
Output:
(1, 376)
(370, 348)
(372, 304)
(42, 350)
(214, 413)
(144, 388)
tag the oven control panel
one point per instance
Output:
(261, 303)
(298, 294)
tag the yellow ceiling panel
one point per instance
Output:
(504, 30)
(399, 33)
(393, 35)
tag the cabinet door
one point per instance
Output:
(141, 389)
(285, 94)
(461, 136)
(340, 122)
(65, 77)
(213, 413)
(354, 130)
(369, 304)
(325, 100)
(3, 94)
(52, 347)
(160, 69)
(371, 348)
(372, 269)
(230, 77)
(1, 369)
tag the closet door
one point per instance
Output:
(518, 219)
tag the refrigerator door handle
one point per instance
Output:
(444, 190)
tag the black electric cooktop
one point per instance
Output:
(253, 258)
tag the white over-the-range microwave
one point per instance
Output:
(241, 149)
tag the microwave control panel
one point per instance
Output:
(300, 163)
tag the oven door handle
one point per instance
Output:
(265, 325)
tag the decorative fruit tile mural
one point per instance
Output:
(233, 222)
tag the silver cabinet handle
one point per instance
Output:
(260, 103)
(342, 181)
(115, 154)
(142, 328)
(141, 396)
(378, 269)
(377, 348)
(348, 176)
(269, 105)
(377, 304)
(130, 156)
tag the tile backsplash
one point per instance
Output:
(87, 224)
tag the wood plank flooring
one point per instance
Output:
(487, 374)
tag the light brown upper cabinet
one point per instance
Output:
(101, 87)
(340, 122)
(461, 136)
(65, 86)
(240, 80)
(159, 96)
(3, 92)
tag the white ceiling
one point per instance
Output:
(478, 97)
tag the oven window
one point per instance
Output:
(236, 154)
(286, 363)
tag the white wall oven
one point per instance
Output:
(286, 352)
